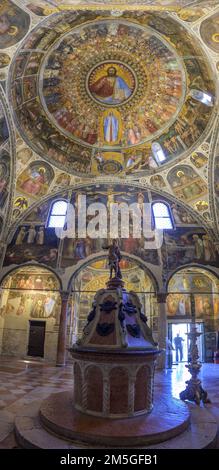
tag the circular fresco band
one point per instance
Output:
(98, 95)
(113, 83)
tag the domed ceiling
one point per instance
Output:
(100, 94)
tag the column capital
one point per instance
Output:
(64, 295)
(162, 297)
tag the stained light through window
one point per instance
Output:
(58, 214)
(162, 216)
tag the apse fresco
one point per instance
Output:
(14, 24)
(186, 183)
(83, 94)
(30, 292)
(186, 246)
(185, 243)
(33, 243)
(77, 249)
(210, 33)
(35, 180)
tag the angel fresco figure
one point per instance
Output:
(114, 258)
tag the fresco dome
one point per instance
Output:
(109, 95)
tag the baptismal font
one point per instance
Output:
(113, 372)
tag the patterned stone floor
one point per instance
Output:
(23, 381)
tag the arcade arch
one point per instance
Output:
(30, 305)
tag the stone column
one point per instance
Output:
(162, 328)
(61, 348)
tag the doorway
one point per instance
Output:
(182, 329)
(36, 338)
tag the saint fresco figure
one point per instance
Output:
(34, 183)
(199, 248)
(21, 235)
(209, 251)
(110, 89)
(31, 234)
(40, 236)
(38, 309)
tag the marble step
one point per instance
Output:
(30, 434)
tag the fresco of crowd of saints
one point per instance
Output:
(14, 24)
(205, 291)
(33, 243)
(31, 293)
(185, 246)
(127, 65)
(186, 184)
(35, 179)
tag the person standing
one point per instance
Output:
(178, 341)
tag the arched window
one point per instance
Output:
(162, 216)
(202, 96)
(158, 153)
(58, 213)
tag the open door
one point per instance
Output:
(178, 338)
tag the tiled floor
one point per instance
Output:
(23, 381)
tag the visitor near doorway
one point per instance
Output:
(178, 340)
